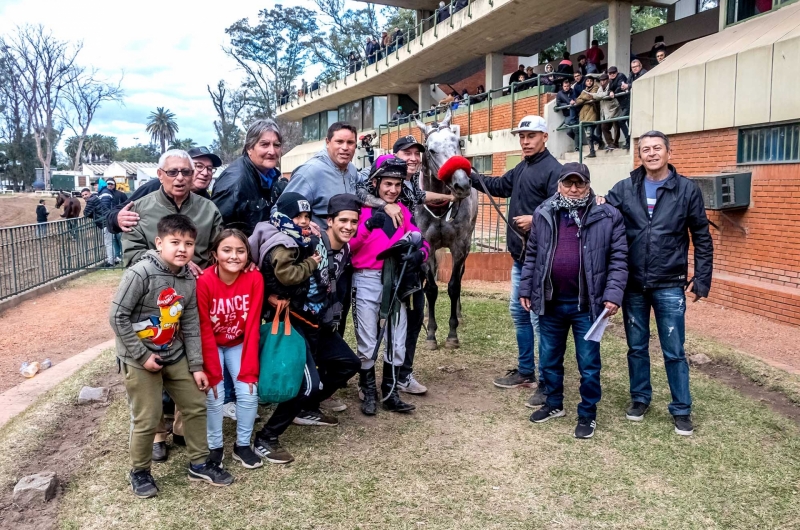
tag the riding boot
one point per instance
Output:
(391, 395)
(368, 391)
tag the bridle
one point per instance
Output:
(433, 167)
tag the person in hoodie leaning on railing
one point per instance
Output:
(330, 172)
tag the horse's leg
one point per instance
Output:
(459, 253)
(431, 294)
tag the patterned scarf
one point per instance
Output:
(572, 206)
(301, 235)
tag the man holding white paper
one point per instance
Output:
(575, 270)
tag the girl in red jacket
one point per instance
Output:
(229, 300)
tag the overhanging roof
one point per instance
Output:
(457, 48)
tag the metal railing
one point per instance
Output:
(363, 63)
(32, 255)
(490, 230)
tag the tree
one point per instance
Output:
(183, 145)
(229, 105)
(82, 99)
(162, 127)
(44, 68)
(273, 53)
(18, 147)
(138, 153)
(642, 19)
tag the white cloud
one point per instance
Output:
(168, 50)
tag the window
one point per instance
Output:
(351, 113)
(380, 111)
(738, 10)
(311, 128)
(368, 112)
(773, 144)
(482, 164)
(705, 5)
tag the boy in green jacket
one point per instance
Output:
(154, 316)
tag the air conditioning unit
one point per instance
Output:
(726, 191)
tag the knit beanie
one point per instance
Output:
(292, 204)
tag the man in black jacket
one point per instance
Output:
(661, 209)
(110, 198)
(529, 184)
(41, 218)
(120, 219)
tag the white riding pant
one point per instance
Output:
(367, 290)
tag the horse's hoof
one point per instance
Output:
(431, 345)
(452, 344)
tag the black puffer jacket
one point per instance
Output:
(603, 257)
(529, 184)
(242, 197)
(659, 247)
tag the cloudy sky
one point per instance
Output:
(168, 50)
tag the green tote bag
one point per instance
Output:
(282, 359)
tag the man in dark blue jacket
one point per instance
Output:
(661, 209)
(575, 272)
(529, 184)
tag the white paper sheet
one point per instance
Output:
(595, 332)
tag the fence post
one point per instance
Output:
(490, 114)
(513, 84)
(13, 262)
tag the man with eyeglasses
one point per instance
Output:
(122, 219)
(176, 173)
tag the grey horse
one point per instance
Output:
(449, 225)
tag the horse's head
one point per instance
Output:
(60, 200)
(442, 143)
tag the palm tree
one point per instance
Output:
(162, 127)
(183, 145)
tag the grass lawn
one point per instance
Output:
(469, 458)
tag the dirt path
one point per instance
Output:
(20, 209)
(56, 325)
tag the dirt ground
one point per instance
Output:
(770, 341)
(56, 325)
(20, 209)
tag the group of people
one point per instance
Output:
(203, 270)
(579, 257)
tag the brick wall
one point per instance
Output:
(757, 271)
(484, 266)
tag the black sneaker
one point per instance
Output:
(683, 425)
(585, 428)
(216, 456)
(160, 452)
(315, 417)
(546, 413)
(271, 450)
(211, 473)
(538, 398)
(513, 379)
(246, 456)
(143, 484)
(636, 411)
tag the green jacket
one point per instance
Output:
(155, 311)
(151, 208)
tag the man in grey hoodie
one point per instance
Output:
(330, 172)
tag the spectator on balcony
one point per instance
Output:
(529, 72)
(399, 116)
(432, 110)
(351, 64)
(459, 5)
(314, 85)
(549, 79)
(386, 43)
(520, 71)
(661, 55)
(443, 12)
(582, 64)
(588, 113)
(399, 38)
(617, 80)
(565, 66)
(480, 94)
(371, 51)
(637, 71)
(564, 99)
(284, 96)
(658, 44)
(609, 108)
(594, 58)
(303, 88)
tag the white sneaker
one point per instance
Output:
(411, 386)
(333, 404)
(229, 410)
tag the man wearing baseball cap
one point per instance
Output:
(408, 149)
(575, 272)
(530, 183)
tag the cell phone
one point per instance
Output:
(159, 362)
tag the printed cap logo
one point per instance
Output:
(168, 297)
(525, 124)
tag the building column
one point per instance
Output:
(619, 35)
(424, 98)
(578, 42)
(494, 71)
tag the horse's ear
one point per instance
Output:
(447, 117)
(424, 129)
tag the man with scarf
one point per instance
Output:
(575, 269)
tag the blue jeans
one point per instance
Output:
(554, 327)
(526, 324)
(669, 306)
(230, 389)
(246, 404)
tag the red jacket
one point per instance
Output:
(230, 315)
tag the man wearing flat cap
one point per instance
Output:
(575, 269)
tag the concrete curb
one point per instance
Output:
(15, 400)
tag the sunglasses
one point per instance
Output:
(172, 173)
